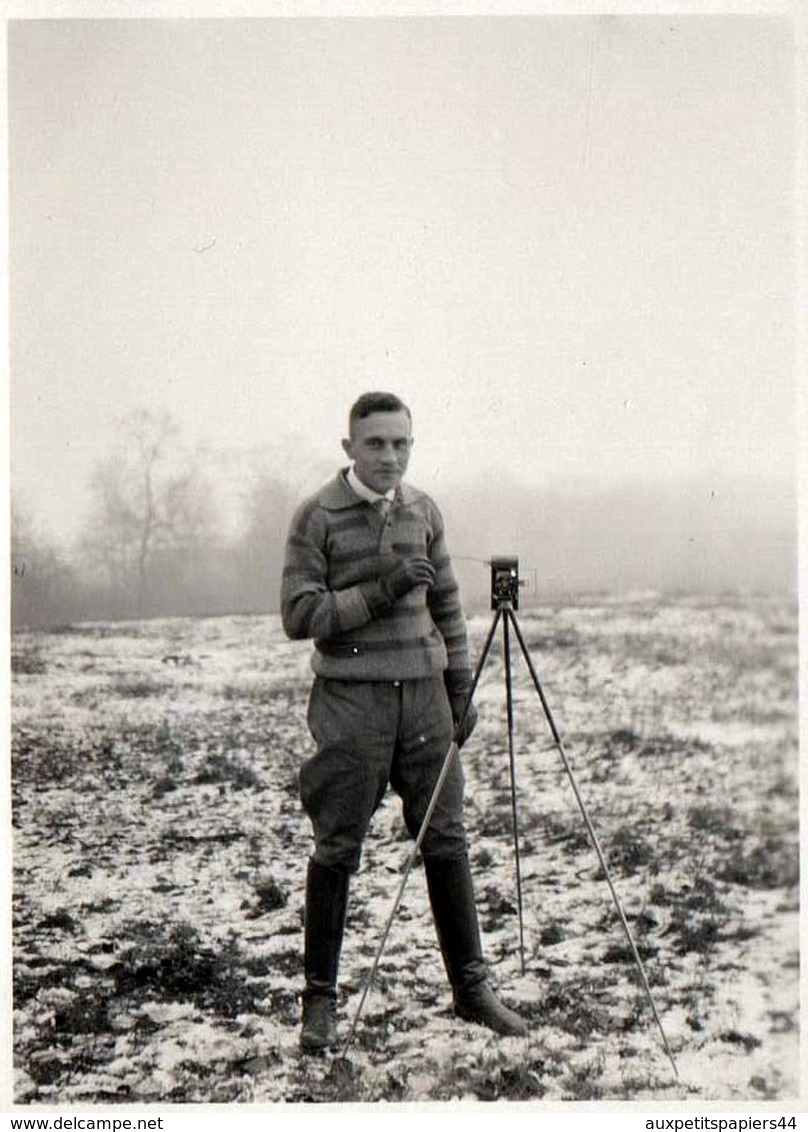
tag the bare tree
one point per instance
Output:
(268, 506)
(44, 589)
(150, 509)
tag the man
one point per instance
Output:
(368, 577)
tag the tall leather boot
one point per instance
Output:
(451, 894)
(326, 908)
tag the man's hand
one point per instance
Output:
(401, 576)
(406, 574)
(458, 686)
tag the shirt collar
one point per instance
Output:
(365, 492)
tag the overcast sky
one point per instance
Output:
(567, 242)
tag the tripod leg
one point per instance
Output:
(509, 708)
(593, 836)
(433, 801)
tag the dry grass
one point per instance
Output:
(160, 855)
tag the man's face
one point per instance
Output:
(380, 449)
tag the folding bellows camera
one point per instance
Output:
(504, 582)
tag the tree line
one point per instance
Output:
(173, 531)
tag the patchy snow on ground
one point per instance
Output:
(160, 855)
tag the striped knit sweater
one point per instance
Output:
(337, 542)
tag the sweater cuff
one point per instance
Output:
(457, 681)
(352, 608)
(375, 596)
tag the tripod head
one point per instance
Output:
(505, 583)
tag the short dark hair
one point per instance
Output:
(375, 403)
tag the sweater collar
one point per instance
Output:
(365, 492)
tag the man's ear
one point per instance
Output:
(347, 447)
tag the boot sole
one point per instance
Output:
(505, 1029)
(318, 1045)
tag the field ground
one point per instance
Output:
(160, 852)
